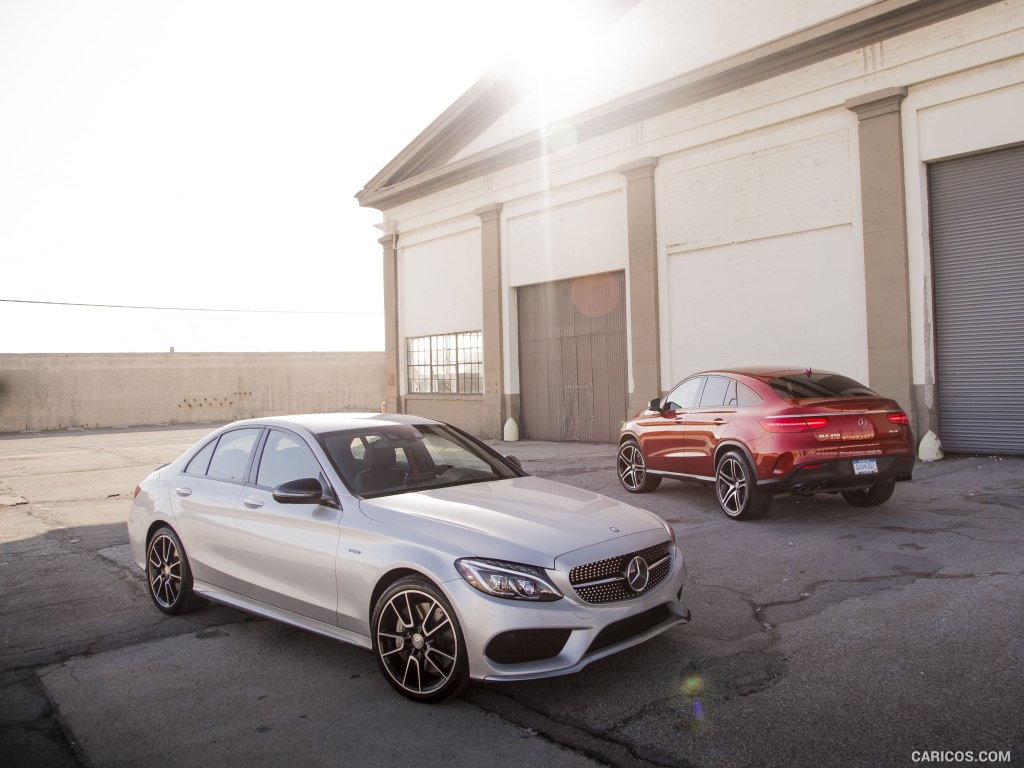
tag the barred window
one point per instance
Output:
(450, 363)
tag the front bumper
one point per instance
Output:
(515, 640)
(838, 475)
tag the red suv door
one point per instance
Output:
(662, 438)
(703, 426)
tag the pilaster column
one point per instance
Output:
(392, 372)
(494, 408)
(642, 235)
(886, 275)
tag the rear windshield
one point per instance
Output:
(815, 385)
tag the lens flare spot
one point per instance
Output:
(697, 708)
(693, 686)
(595, 295)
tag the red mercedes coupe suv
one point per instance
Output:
(755, 433)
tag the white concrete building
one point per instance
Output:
(685, 185)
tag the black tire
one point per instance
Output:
(169, 575)
(870, 497)
(736, 488)
(632, 469)
(418, 643)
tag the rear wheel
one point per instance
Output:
(870, 497)
(736, 488)
(418, 642)
(632, 469)
(169, 575)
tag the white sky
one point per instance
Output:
(205, 153)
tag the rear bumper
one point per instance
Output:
(839, 475)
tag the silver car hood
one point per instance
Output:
(526, 519)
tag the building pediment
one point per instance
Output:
(491, 126)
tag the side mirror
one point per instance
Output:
(305, 491)
(655, 405)
(515, 461)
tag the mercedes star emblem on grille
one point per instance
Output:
(637, 574)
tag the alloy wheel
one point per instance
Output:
(417, 642)
(732, 485)
(632, 469)
(164, 570)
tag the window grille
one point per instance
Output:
(448, 363)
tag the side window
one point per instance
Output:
(201, 460)
(402, 461)
(746, 397)
(285, 458)
(714, 391)
(685, 395)
(231, 456)
(731, 398)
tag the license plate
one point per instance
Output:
(865, 467)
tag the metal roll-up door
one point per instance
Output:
(572, 359)
(977, 233)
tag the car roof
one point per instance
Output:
(764, 371)
(322, 423)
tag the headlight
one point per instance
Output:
(509, 580)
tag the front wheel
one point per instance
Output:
(870, 497)
(418, 643)
(169, 575)
(736, 488)
(632, 469)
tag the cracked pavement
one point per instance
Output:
(822, 635)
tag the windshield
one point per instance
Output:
(379, 461)
(816, 385)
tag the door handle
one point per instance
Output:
(253, 502)
(719, 422)
(678, 420)
(183, 491)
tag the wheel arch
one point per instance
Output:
(389, 578)
(729, 445)
(155, 526)
(625, 436)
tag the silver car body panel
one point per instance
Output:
(525, 519)
(317, 567)
(226, 597)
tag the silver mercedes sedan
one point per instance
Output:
(409, 538)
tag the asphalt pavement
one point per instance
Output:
(822, 635)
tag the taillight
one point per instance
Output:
(898, 418)
(793, 423)
(138, 489)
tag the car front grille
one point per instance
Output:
(605, 581)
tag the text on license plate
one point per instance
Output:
(865, 467)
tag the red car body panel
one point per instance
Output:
(786, 450)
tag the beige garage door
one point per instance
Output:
(572, 359)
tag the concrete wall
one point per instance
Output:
(440, 284)
(464, 411)
(54, 391)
